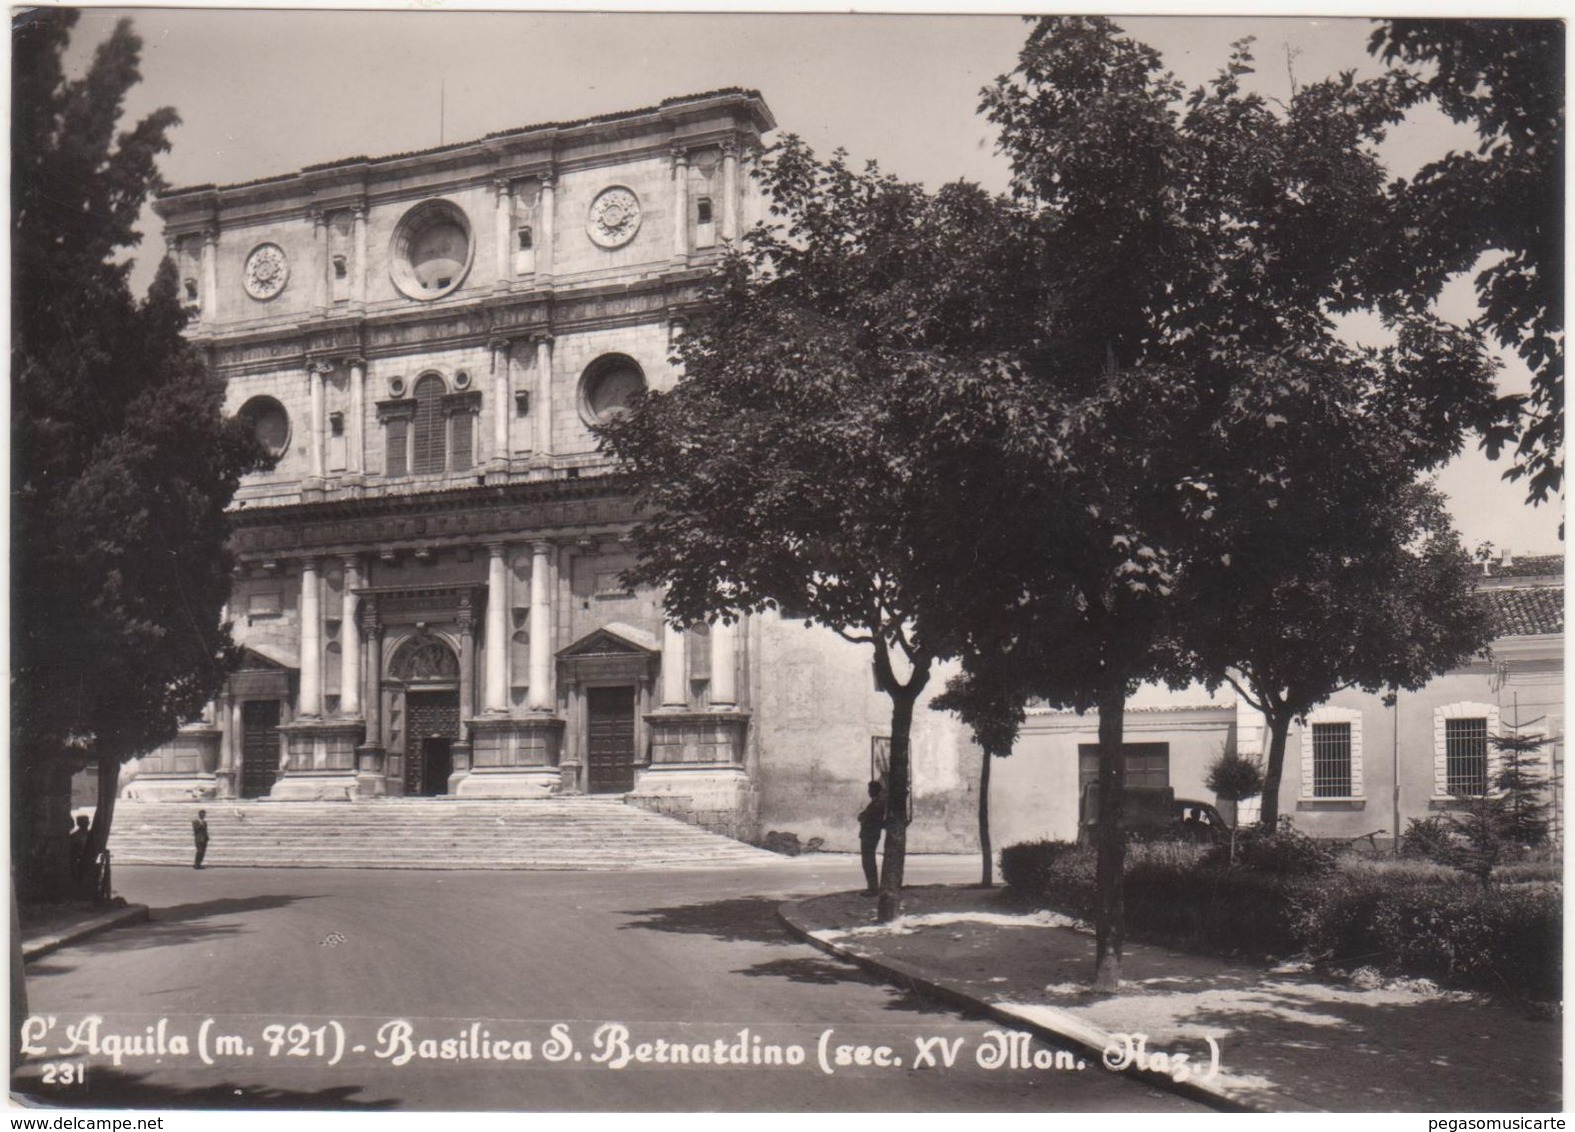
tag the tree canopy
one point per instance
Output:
(122, 460)
(838, 384)
(1201, 245)
(1506, 201)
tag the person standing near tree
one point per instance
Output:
(872, 820)
(199, 834)
(81, 837)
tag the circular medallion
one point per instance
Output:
(615, 217)
(267, 271)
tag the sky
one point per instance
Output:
(268, 92)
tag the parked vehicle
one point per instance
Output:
(1154, 813)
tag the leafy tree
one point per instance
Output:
(842, 388)
(985, 696)
(1234, 778)
(1198, 246)
(122, 462)
(1505, 78)
(1361, 583)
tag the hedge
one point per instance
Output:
(1417, 920)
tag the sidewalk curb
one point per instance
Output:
(42, 945)
(1058, 1027)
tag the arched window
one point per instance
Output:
(430, 427)
(423, 657)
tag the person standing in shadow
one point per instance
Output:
(872, 822)
(199, 834)
(80, 863)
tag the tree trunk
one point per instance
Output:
(889, 907)
(41, 833)
(104, 812)
(1109, 908)
(987, 876)
(1279, 727)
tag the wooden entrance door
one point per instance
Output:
(609, 740)
(432, 725)
(259, 747)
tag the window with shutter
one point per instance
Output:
(462, 425)
(398, 439)
(429, 426)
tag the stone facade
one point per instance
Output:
(428, 583)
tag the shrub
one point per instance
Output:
(1410, 916)
(1427, 839)
(1286, 852)
(1029, 865)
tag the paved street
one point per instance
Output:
(377, 967)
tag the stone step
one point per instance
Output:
(550, 833)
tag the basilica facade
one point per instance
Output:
(428, 587)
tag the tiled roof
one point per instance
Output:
(1525, 611)
(1530, 566)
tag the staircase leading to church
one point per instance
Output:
(548, 833)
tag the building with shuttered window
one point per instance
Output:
(428, 587)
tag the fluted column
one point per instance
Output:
(674, 667)
(355, 438)
(541, 409)
(358, 280)
(503, 210)
(503, 403)
(729, 190)
(724, 684)
(319, 261)
(680, 205)
(210, 273)
(315, 371)
(350, 642)
(541, 698)
(311, 641)
(497, 678)
(544, 254)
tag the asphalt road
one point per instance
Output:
(333, 989)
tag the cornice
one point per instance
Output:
(422, 329)
(461, 517)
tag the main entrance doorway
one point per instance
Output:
(433, 725)
(259, 747)
(609, 740)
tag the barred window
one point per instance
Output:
(1331, 756)
(1465, 755)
